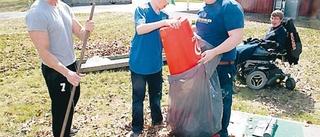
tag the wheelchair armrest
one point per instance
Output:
(270, 50)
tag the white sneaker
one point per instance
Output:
(73, 132)
(132, 134)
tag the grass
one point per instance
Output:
(104, 108)
(14, 5)
(23, 5)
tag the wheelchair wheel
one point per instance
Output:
(290, 83)
(256, 80)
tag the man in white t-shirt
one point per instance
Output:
(50, 24)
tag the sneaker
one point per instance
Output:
(73, 132)
(132, 134)
(136, 135)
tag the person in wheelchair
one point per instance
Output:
(273, 42)
(277, 32)
(256, 57)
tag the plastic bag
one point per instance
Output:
(195, 101)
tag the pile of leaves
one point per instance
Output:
(104, 48)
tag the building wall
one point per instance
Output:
(309, 8)
(257, 6)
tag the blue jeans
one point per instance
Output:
(226, 76)
(139, 82)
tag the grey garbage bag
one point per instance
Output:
(195, 101)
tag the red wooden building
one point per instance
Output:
(306, 8)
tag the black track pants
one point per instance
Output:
(59, 91)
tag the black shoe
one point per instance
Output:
(73, 132)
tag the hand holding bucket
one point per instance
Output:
(181, 49)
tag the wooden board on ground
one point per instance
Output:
(117, 63)
(114, 63)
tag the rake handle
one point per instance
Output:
(86, 35)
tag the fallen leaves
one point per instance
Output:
(103, 48)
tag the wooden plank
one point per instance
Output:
(116, 63)
(111, 57)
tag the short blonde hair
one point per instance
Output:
(277, 13)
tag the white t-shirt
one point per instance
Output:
(57, 21)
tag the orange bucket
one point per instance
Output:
(181, 50)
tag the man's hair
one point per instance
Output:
(277, 13)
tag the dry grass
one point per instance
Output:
(104, 108)
(14, 5)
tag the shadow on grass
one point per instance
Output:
(290, 102)
(262, 18)
(190, 11)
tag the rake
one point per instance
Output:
(78, 71)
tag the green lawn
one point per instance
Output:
(14, 5)
(104, 108)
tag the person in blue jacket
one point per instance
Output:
(221, 22)
(145, 60)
